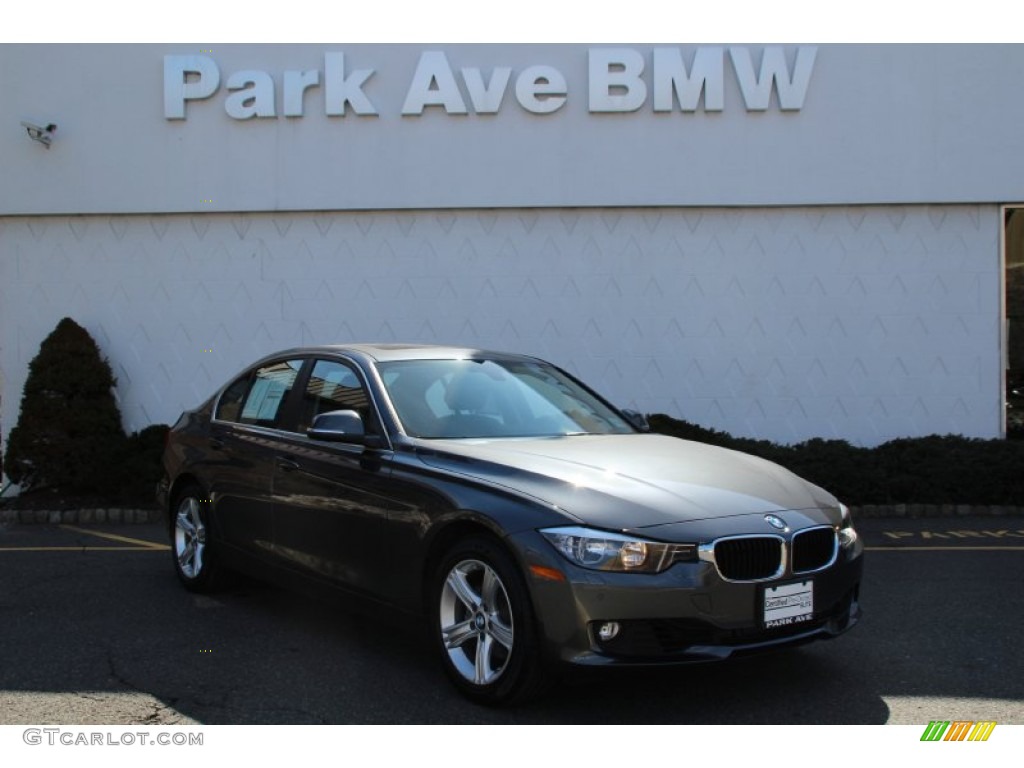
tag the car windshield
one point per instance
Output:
(493, 398)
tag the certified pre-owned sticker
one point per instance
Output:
(788, 604)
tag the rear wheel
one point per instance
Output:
(484, 625)
(195, 559)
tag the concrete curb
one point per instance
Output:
(934, 510)
(114, 515)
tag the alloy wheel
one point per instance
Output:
(476, 622)
(189, 538)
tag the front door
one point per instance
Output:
(331, 500)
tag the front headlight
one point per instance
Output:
(847, 533)
(605, 551)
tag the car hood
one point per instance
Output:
(630, 481)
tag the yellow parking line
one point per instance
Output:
(137, 545)
(141, 543)
(149, 548)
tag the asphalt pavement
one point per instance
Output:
(95, 629)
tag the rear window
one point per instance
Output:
(267, 393)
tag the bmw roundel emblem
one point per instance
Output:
(776, 522)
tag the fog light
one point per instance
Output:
(608, 631)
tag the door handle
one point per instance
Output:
(286, 464)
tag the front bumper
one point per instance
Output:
(686, 614)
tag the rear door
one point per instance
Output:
(245, 439)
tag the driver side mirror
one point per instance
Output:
(341, 427)
(637, 420)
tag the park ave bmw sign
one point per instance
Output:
(618, 80)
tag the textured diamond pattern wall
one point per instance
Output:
(865, 323)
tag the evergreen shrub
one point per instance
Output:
(68, 438)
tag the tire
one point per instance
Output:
(483, 624)
(195, 558)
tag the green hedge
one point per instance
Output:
(926, 470)
(142, 466)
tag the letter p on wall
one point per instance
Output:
(185, 78)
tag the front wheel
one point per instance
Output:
(195, 560)
(484, 626)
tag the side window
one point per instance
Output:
(270, 387)
(334, 386)
(230, 406)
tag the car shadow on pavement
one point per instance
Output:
(300, 660)
(258, 654)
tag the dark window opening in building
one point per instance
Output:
(1014, 281)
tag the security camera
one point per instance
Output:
(42, 134)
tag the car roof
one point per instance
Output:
(389, 352)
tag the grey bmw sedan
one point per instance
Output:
(527, 520)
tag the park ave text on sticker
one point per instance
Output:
(788, 604)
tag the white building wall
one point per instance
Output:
(864, 323)
(874, 124)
